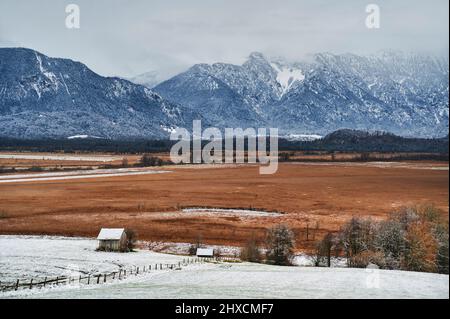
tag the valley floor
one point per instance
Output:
(318, 196)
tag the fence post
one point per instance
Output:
(144, 268)
(89, 279)
(114, 275)
(31, 283)
(149, 267)
(98, 279)
(45, 281)
(137, 271)
(17, 284)
(104, 278)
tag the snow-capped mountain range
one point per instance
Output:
(395, 92)
(43, 97)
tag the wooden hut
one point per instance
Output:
(112, 239)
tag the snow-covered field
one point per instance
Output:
(26, 255)
(78, 174)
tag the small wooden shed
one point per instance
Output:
(112, 239)
(205, 252)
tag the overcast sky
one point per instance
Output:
(126, 38)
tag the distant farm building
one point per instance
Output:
(205, 252)
(112, 239)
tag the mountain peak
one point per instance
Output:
(257, 56)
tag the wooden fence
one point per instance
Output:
(99, 278)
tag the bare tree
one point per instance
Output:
(131, 239)
(414, 239)
(280, 245)
(250, 252)
(148, 160)
(193, 247)
(322, 255)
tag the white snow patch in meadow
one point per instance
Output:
(183, 248)
(56, 157)
(79, 174)
(229, 212)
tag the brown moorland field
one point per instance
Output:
(320, 197)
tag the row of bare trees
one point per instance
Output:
(414, 239)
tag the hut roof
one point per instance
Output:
(205, 252)
(110, 233)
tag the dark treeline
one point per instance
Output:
(85, 145)
(359, 141)
(339, 141)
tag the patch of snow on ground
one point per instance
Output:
(25, 257)
(229, 212)
(57, 157)
(308, 261)
(79, 174)
(31, 255)
(81, 136)
(183, 248)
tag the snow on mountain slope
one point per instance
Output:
(406, 94)
(50, 97)
(287, 76)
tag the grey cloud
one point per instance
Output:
(125, 38)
